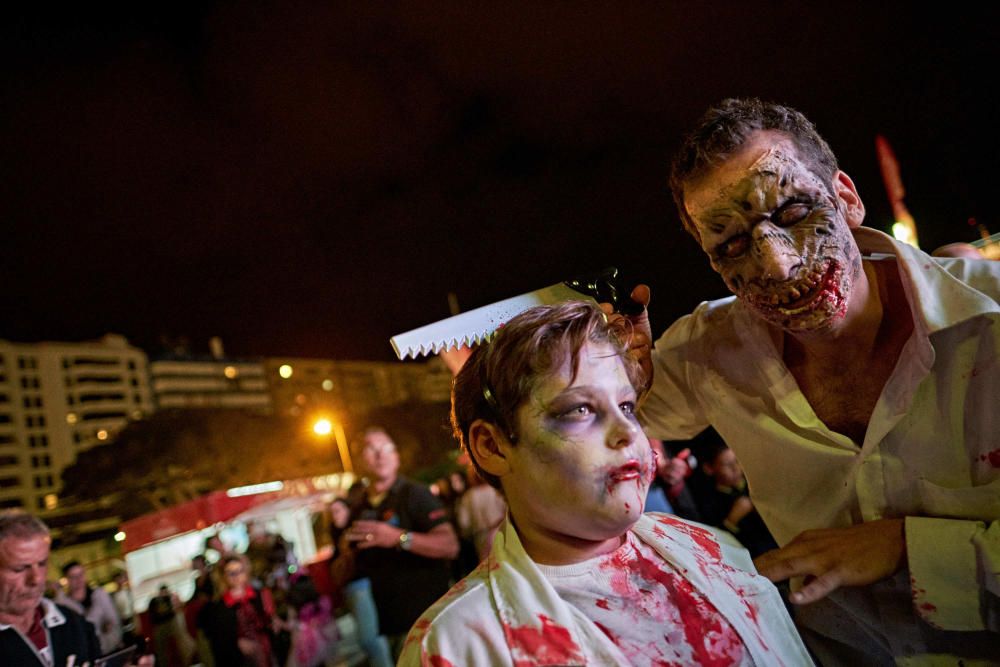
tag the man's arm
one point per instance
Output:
(954, 566)
(439, 542)
(833, 557)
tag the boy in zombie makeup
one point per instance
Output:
(855, 379)
(577, 574)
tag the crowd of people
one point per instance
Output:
(851, 381)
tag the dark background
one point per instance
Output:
(302, 179)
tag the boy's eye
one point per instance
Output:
(628, 407)
(576, 412)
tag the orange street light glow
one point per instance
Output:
(323, 427)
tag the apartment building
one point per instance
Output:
(57, 400)
(300, 386)
(209, 383)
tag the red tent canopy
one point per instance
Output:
(193, 515)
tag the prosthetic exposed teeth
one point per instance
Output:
(804, 289)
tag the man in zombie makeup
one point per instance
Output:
(856, 380)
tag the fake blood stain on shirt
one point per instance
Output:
(993, 457)
(699, 536)
(650, 591)
(549, 645)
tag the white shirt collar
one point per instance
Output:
(51, 616)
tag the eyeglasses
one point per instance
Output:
(233, 571)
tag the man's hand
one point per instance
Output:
(370, 534)
(835, 557)
(641, 343)
(740, 509)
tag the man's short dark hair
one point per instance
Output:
(18, 523)
(358, 441)
(69, 566)
(725, 127)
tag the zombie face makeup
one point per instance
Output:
(777, 235)
(582, 465)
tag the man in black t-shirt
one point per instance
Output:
(403, 537)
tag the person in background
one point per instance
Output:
(34, 631)
(668, 492)
(171, 642)
(125, 606)
(94, 603)
(310, 623)
(355, 590)
(239, 622)
(725, 501)
(204, 591)
(480, 512)
(402, 534)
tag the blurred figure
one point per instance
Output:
(402, 535)
(356, 590)
(94, 604)
(238, 623)
(958, 250)
(204, 587)
(171, 643)
(310, 622)
(125, 606)
(668, 491)
(33, 629)
(479, 513)
(725, 500)
(204, 591)
(340, 516)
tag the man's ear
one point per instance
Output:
(847, 194)
(487, 443)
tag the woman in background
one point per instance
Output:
(239, 621)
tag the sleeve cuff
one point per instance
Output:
(943, 572)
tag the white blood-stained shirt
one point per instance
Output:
(931, 454)
(507, 613)
(648, 609)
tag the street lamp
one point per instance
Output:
(324, 427)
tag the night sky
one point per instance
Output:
(308, 180)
